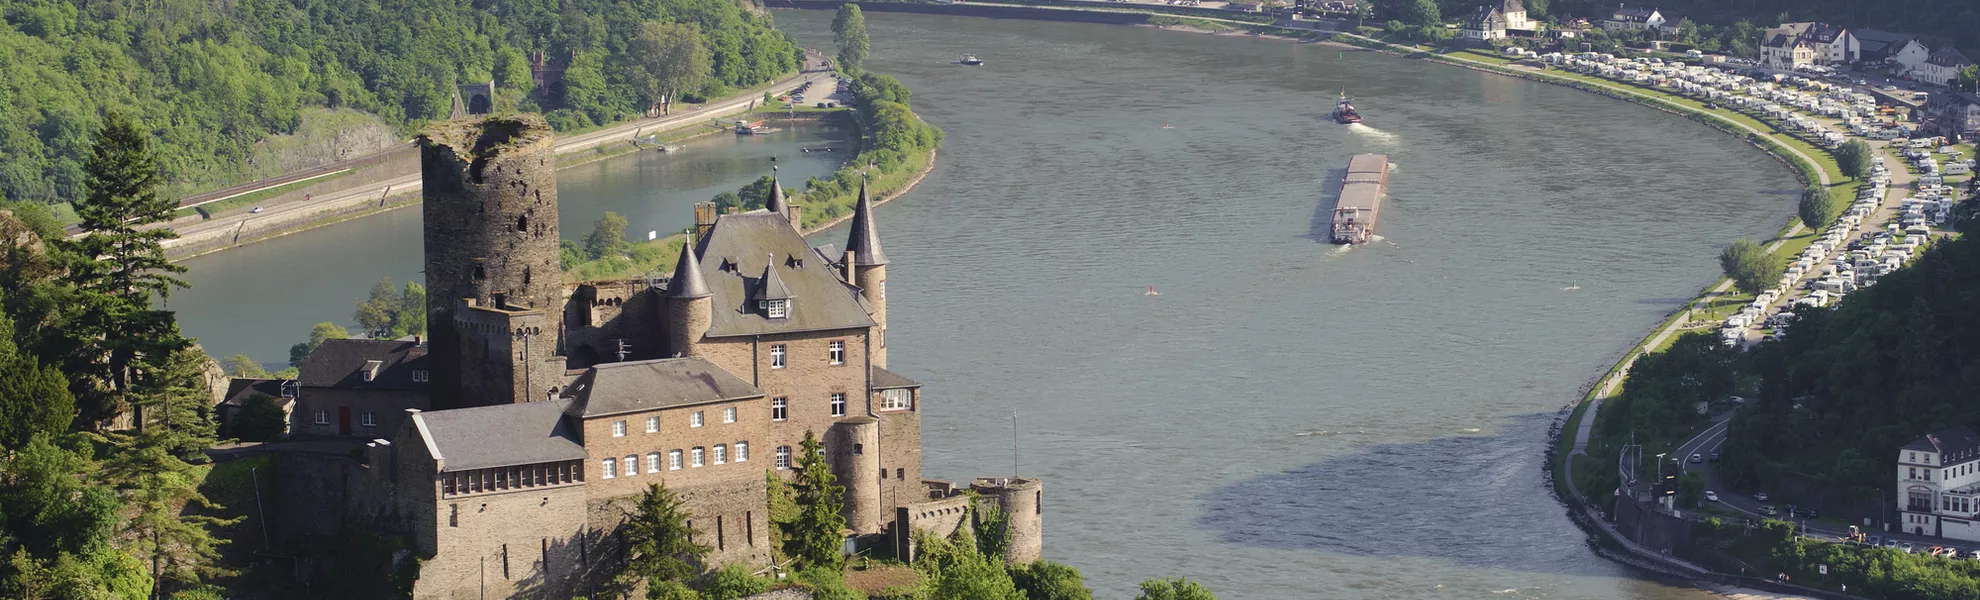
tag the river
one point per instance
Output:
(1287, 419)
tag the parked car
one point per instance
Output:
(1809, 513)
(1907, 547)
(1768, 509)
(1761, 496)
(257, 210)
(1876, 540)
(1711, 496)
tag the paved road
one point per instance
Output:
(375, 192)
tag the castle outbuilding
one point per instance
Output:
(555, 406)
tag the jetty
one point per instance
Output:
(1361, 198)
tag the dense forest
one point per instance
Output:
(1843, 388)
(209, 80)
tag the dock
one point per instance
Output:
(1361, 198)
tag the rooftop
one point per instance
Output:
(344, 363)
(730, 265)
(624, 387)
(501, 435)
(1955, 445)
(886, 380)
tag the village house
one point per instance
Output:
(1942, 67)
(281, 392)
(1954, 112)
(1629, 18)
(1875, 45)
(359, 388)
(1796, 44)
(1938, 484)
(1493, 21)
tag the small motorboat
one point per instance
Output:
(971, 60)
(1151, 292)
(1166, 125)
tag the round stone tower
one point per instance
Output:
(490, 204)
(1023, 500)
(856, 458)
(690, 305)
(869, 270)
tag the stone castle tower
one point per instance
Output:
(868, 270)
(494, 289)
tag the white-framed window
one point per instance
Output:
(742, 451)
(610, 466)
(729, 415)
(653, 424)
(838, 352)
(897, 399)
(783, 457)
(883, 289)
(631, 465)
(776, 309)
(721, 454)
(694, 419)
(653, 462)
(838, 404)
(419, 376)
(779, 410)
(368, 419)
(673, 460)
(618, 429)
(697, 457)
(776, 356)
(322, 417)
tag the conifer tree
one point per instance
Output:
(814, 537)
(849, 33)
(154, 468)
(660, 540)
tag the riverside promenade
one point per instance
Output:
(401, 177)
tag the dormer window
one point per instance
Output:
(371, 369)
(775, 309)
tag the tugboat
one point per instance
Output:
(1344, 111)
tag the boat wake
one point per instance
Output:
(1571, 288)
(1371, 133)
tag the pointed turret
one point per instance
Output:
(770, 286)
(863, 242)
(777, 204)
(687, 282)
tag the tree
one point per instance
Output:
(955, 568)
(731, 582)
(1363, 11)
(34, 399)
(1691, 488)
(670, 590)
(242, 365)
(1174, 589)
(1750, 267)
(259, 420)
(668, 59)
(1047, 580)
(152, 469)
(661, 542)
(374, 315)
(318, 334)
(757, 194)
(411, 316)
(607, 237)
(118, 266)
(1817, 208)
(726, 200)
(813, 537)
(1854, 158)
(1968, 79)
(1422, 13)
(849, 34)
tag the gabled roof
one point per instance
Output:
(1956, 445)
(341, 364)
(1948, 57)
(862, 239)
(1634, 14)
(623, 387)
(240, 388)
(1824, 33)
(501, 435)
(886, 380)
(1485, 18)
(729, 263)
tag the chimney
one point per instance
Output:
(795, 213)
(849, 266)
(704, 220)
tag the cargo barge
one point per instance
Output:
(1361, 198)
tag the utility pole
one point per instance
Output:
(1014, 445)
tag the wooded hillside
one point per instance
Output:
(210, 79)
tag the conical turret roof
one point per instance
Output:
(777, 203)
(771, 287)
(687, 281)
(863, 240)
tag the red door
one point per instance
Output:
(343, 420)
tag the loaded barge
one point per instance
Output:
(1361, 198)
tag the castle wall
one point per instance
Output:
(598, 315)
(941, 518)
(1023, 501)
(317, 495)
(731, 518)
(807, 381)
(900, 455)
(506, 356)
(675, 433)
(490, 206)
(518, 543)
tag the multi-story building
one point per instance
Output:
(359, 388)
(1637, 18)
(1942, 67)
(1938, 484)
(1493, 21)
(573, 402)
(1796, 44)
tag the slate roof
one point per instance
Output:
(1948, 57)
(501, 435)
(1511, 6)
(777, 203)
(769, 286)
(862, 239)
(339, 364)
(886, 380)
(239, 388)
(730, 262)
(1485, 18)
(687, 281)
(1634, 14)
(1823, 33)
(1956, 445)
(623, 387)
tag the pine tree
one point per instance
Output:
(815, 536)
(849, 32)
(154, 468)
(661, 542)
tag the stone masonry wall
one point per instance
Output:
(675, 433)
(388, 409)
(507, 544)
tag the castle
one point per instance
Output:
(553, 407)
